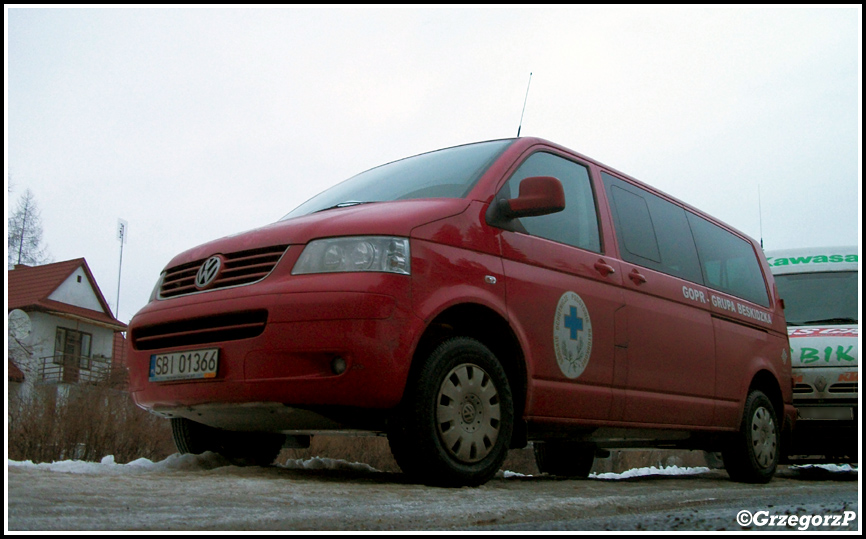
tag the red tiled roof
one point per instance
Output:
(29, 288)
(29, 284)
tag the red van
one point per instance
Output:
(467, 301)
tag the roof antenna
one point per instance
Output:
(760, 218)
(524, 105)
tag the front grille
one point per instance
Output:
(240, 268)
(843, 387)
(802, 388)
(840, 387)
(205, 330)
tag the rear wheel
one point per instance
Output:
(753, 454)
(566, 459)
(240, 448)
(454, 427)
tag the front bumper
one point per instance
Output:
(288, 365)
(827, 413)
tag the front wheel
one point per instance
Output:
(454, 427)
(753, 454)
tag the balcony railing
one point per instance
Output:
(69, 369)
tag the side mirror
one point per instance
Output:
(539, 195)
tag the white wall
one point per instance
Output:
(42, 337)
(80, 294)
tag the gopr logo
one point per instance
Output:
(572, 335)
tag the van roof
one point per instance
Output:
(813, 259)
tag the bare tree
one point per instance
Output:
(20, 347)
(25, 234)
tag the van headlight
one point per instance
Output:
(355, 253)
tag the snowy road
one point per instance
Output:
(189, 492)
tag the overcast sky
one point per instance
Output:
(192, 124)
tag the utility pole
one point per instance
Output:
(122, 227)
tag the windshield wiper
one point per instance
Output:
(345, 204)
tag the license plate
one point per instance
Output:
(825, 412)
(188, 365)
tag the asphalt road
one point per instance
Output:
(219, 497)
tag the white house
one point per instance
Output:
(61, 330)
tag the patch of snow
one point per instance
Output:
(652, 470)
(205, 461)
(178, 462)
(836, 468)
(319, 463)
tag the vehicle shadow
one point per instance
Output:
(341, 471)
(821, 473)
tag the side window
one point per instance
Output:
(729, 263)
(637, 230)
(652, 231)
(577, 224)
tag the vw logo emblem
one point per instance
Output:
(208, 272)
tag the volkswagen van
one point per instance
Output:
(820, 289)
(470, 300)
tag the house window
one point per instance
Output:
(72, 348)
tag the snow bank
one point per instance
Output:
(652, 470)
(210, 461)
(107, 466)
(178, 462)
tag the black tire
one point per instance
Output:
(753, 454)
(240, 448)
(565, 459)
(455, 423)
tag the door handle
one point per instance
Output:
(637, 277)
(604, 268)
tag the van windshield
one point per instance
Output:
(819, 298)
(448, 173)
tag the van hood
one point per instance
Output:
(824, 346)
(396, 218)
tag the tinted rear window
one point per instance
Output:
(652, 232)
(729, 262)
(660, 235)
